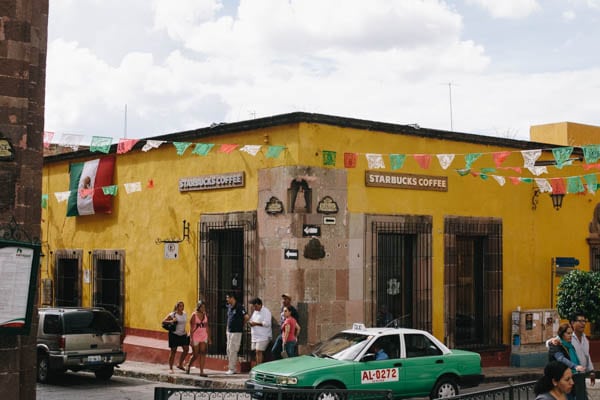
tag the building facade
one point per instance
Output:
(360, 221)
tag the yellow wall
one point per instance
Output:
(565, 134)
(531, 237)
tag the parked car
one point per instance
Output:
(77, 339)
(417, 365)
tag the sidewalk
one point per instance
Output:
(219, 380)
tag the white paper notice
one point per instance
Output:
(15, 270)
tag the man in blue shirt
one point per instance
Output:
(236, 318)
(380, 354)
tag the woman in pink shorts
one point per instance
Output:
(200, 336)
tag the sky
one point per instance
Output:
(142, 68)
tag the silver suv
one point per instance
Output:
(77, 339)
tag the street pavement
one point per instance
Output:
(220, 380)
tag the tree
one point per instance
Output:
(579, 291)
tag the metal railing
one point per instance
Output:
(517, 391)
(170, 393)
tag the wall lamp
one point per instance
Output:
(557, 199)
(186, 235)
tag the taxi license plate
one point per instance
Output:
(92, 359)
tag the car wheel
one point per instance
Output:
(444, 387)
(43, 368)
(325, 395)
(105, 373)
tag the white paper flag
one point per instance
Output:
(445, 160)
(71, 141)
(375, 161)
(537, 171)
(133, 187)
(62, 196)
(251, 149)
(500, 179)
(152, 144)
(543, 185)
(530, 157)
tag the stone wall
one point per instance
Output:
(23, 42)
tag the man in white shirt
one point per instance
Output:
(260, 328)
(582, 348)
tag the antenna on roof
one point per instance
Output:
(125, 124)
(450, 96)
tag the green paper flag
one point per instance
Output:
(463, 172)
(101, 144)
(397, 161)
(202, 149)
(329, 157)
(574, 185)
(526, 180)
(110, 190)
(488, 170)
(592, 182)
(470, 159)
(44, 201)
(181, 147)
(591, 153)
(274, 151)
(561, 155)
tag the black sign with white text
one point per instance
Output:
(311, 230)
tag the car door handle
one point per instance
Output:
(398, 365)
(439, 361)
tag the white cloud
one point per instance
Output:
(390, 62)
(508, 8)
(568, 15)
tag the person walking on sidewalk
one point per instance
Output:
(289, 330)
(286, 301)
(200, 336)
(236, 318)
(556, 382)
(581, 345)
(260, 328)
(179, 336)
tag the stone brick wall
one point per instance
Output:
(23, 43)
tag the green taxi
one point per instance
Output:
(409, 362)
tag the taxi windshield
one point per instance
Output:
(343, 346)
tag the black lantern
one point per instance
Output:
(557, 200)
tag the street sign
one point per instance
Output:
(311, 230)
(329, 220)
(290, 254)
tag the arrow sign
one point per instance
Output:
(311, 230)
(290, 254)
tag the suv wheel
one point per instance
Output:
(43, 368)
(105, 373)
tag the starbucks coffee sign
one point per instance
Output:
(406, 181)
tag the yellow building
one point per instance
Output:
(357, 220)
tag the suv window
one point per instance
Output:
(92, 321)
(52, 324)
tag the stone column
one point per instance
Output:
(23, 43)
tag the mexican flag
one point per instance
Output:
(86, 181)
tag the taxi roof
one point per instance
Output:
(361, 329)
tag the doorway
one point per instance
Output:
(108, 288)
(227, 243)
(67, 267)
